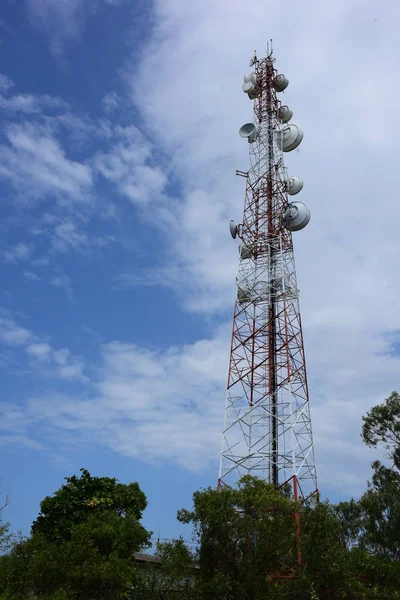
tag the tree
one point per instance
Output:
(371, 525)
(83, 542)
(74, 502)
(246, 534)
(172, 576)
(381, 425)
(350, 516)
(380, 506)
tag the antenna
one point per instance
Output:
(249, 131)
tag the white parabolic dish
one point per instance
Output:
(296, 216)
(285, 114)
(295, 185)
(280, 83)
(289, 138)
(233, 229)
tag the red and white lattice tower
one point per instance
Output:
(267, 430)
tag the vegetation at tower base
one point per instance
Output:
(84, 543)
(244, 533)
(174, 574)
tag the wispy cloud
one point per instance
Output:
(18, 252)
(161, 407)
(63, 281)
(36, 164)
(11, 333)
(111, 102)
(64, 20)
(129, 164)
(32, 276)
(45, 360)
(26, 103)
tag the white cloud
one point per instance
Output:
(63, 281)
(32, 276)
(45, 360)
(19, 252)
(162, 407)
(111, 102)
(36, 164)
(11, 333)
(129, 165)
(64, 20)
(67, 237)
(25, 103)
(61, 19)
(39, 350)
(6, 83)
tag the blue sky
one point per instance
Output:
(118, 147)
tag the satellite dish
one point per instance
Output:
(295, 185)
(249, 86)
(280, 83)
(285, 114)
(251, 78)
(233, 229)
(296, 216)
(249, 131)
(289, 138)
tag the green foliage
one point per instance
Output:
(373, 522)
(83, 555)
(324, 556)
(381, 425)
(74, 502)
(380, 507)
(247, 536)
(175, 574)
(350, 516)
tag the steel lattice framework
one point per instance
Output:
(267, 430)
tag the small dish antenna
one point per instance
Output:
(250, 85)
(285, 114)
(249, 131)
(233, 229)
(289, 138)
(295, 185)
(280, 83)
(296, 216)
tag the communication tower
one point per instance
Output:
(267, 429)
